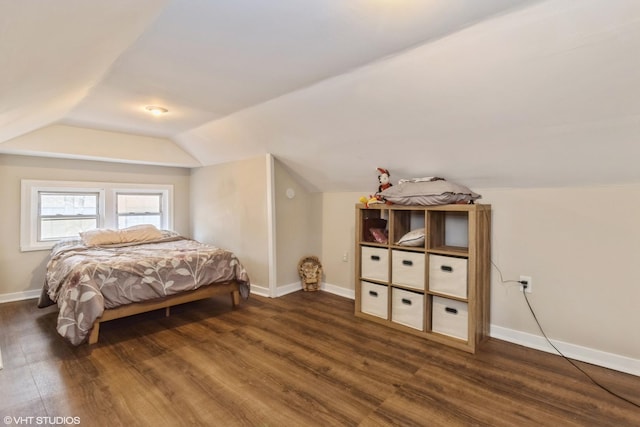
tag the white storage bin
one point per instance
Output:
(375, 263)
(407, 308)
(407, 269)
(448, 275)
(374, 299)
(450, 317)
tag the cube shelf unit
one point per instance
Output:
(438, 289)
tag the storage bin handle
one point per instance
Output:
(451, 310)
(446, 268)
(373, 293)
(375, 257)
(407, 262)
(406, 301)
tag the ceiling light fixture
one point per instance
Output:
(156, 111)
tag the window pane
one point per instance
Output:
(68, 204)
(53, 229)
(125, 221)
(138, 203)
(65, 214)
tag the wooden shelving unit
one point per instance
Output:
(438, 289)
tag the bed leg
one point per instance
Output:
(93, 338)
(235, 298)
(167, 311)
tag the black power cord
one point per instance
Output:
(524, 287)
(524, 283)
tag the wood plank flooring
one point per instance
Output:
(299, 360)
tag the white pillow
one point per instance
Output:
(105, 236)
(439, 192)
(140, 233)
(413, 238)
(100, 236)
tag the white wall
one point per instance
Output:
(23, 272)
(229, 210)
(338, 239)
(298, 227)
(581, 246)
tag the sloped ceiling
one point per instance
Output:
(487, 93)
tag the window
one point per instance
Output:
(135, 208)
(52, 210)
(65, 214)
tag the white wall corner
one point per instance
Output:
(572, 351)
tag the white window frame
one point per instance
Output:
(106, 211)
(166, 207)
(40, 217)
(161, 208)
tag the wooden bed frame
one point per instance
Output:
(166, 303)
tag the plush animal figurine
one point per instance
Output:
(368, 200)
(383, 180)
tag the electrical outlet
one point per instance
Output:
(345, 257)
(529, 283)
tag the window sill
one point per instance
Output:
(39, 247)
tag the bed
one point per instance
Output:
(122, 276)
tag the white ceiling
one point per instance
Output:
(486, 93)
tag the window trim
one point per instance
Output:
(160, 213)
(40, 218)
(107, 215)
(164, 205)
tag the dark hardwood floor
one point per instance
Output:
(299, 360)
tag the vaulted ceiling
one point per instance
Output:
(486, 93)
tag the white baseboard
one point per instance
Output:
(288, 289)
(280, 290)
(338, 290)
(19, 296)
(295, 287)
(260, 290)
(572, 351)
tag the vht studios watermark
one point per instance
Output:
(41, 421)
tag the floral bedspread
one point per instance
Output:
(83, 280)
